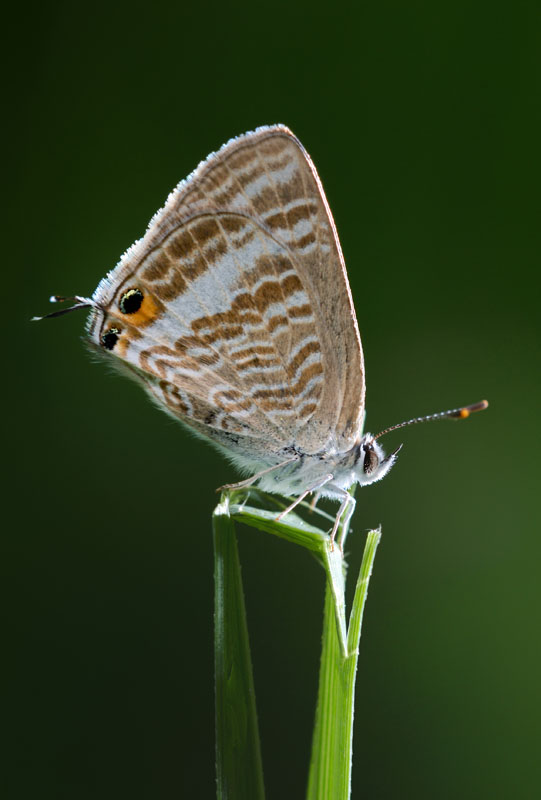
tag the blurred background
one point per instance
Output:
(423, 120)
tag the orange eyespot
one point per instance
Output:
(110, 338)
(140, 309)
(464, 413)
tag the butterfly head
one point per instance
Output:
(372, 464)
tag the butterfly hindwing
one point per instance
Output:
(235, 310)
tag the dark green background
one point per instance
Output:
(424, 122)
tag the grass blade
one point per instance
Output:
(238, 753)
(330, 766)
(240, 775)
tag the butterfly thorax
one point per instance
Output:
(364, 463)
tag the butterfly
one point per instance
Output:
(235, 313)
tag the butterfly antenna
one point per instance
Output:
(454, 413)
(80, 302)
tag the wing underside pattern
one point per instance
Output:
(247, 328)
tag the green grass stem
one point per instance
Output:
(239, 769)
(239, 765)
(332, 745)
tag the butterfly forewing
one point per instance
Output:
(243, 326)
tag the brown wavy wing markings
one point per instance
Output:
(276, 313)
(245, 293)
(265, 313)
(224, 357)
(212, 422)
(265, 177)
(190, 388)
(255, 308)
(231, 314)
(269, 176)
(238, 172)
(308, 229)
(195, 272)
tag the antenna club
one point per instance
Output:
(465, 411)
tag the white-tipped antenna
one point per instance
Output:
(454, 413)
(80, 302)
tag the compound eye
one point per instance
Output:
(370, 459)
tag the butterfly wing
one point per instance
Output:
(235, 310)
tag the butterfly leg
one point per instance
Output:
(301, 497)
(254, 478)
(347, 507)
(313, 502)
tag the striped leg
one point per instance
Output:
(300, 498)
(347, 503)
